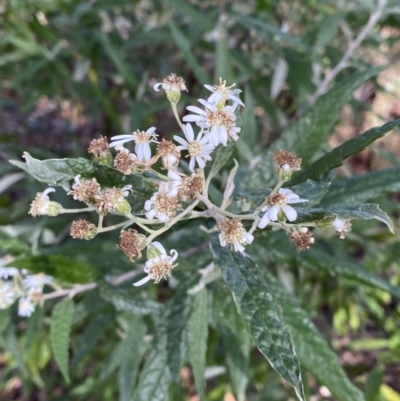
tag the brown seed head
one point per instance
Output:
(277, 200)
(232, 231)
(85, 190)
(221, 118)
(99, 147)
(37, 205)
(131, 243)
(191, 186)
(108, 200)
(282, 158)
(174, 83)
(302, 239)
(165, 204)
(82, 229)
(169, 153)
(125, 162)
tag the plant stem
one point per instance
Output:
(85, 209)
(173, 106)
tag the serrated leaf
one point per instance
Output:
(167, 352)
(185, 47)
(311, 348)
(90, 336)
(320, 168)
(60, 329)
(366, 211)
(62, 268)
(130, 357)
(345, 268)
(256, 305)
(359, 189)
(305, 136)
(197, 338)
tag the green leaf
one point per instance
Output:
(248, 135)
(187, 53)
(184, 7)
(197, 337)
(305, 136)
(130, 357)
(124, 301)
(220, 157)
(90, 337)
(55, 172)
(312, 190)
(167, 352)
(345, 268)
(311, 348)
(255, 303)
(366, 211)
(222, 56)
(64, 269)
(373, 384)
(359, 189)
(60, 329)
(320, 168)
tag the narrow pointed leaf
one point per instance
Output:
(60, 329)
(311, 348)
(320, 168)
(197, 336)
(220, 156)
(263, 317)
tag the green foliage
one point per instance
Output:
(257, 306)
(60, 329)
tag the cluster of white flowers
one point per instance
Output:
(18, 285)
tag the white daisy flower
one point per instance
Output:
(279, 203)
(220, 123)
(172, 83)
(199, 149)
(142, 142)
(25, 307)
(162, 205)
(7, 272)
(7, 295)
(221, 93)
(37, 281)
(159, 266)
(175, 183)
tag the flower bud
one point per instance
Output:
(52, 209)
(173, 86)
(122, 207)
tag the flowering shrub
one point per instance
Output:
(164, 195)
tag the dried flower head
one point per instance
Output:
(125, 162)
(233, 233)
(162, 205)
(99, 147)
(131, 243)
(191, 186)
(342, 226)
(287, 160)
(159, 265)
(42, 205)
(173, 85)
(85, 190)
(169, 153)
(82, 229)
(113, 200)
(302, 239)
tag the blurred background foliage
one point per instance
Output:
(71, 71)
